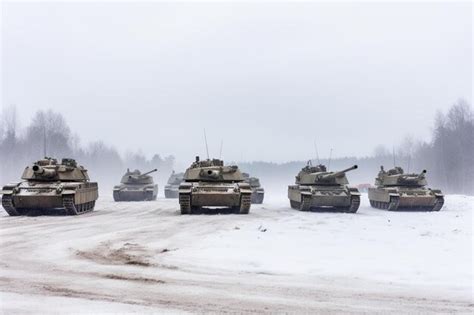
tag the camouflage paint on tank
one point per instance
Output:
(210, 183)
(49, 185)
(396, 190)
(316, 188)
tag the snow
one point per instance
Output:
(144, 257)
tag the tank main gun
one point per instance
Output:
(40, 171)
(337, 174)
(149, 172)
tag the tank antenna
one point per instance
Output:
(316, 149)
(220, 151)
(393, 154)
(205, 140)
(44, 141)
(330, 155)
(409, 160)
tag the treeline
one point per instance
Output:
(448, 156)
(49, 134)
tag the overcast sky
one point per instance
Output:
(267, 79)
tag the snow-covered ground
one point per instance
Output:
(146, 258)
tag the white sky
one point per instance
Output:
(266, 78)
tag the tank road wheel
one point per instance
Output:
(185, 203)
(305, 204)
(245, 203)
(7, 203)
(355, 202)
(73, 209)
(439, 202)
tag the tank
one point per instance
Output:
(316, 188)
(210, 183)
(395, 190)
(172, 187)
(136, 186)
(49, 185)
(258, 193)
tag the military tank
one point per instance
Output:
(209, 183)
(172, 188)
(258, 193)
(49, 185)
(395, 190)
(317, 188)
(136, 186)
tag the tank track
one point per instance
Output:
(305, 204)
(438, 204)
(392, 205)
(77, 209)
(294, 204)
(7, 203)
(149, 196)
(355, 203)
(185, 203)
(245, 203)
(117, 196)
(257, 199)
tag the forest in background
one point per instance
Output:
(448, 156)
(21, 147)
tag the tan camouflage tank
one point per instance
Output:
(172, 188)
(258, 193)
(49, 185)
(211, 184)
(395, 190)
(136, 186)
(319, 189)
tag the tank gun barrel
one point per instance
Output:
(38, 170)
(149, 172)
(340, 173)
(422, 174)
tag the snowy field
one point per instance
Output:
(146, 258)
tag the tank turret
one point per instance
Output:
(51, 185)
(395, 190)
(311, 175)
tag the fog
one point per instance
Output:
(267, 79)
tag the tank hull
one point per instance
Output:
(324, 198)
(193, 196)
(135, 192)
(404, 198)
(74, 197)
(171, 191)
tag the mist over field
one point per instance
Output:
(271, 86)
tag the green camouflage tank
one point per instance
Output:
(49, 185)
